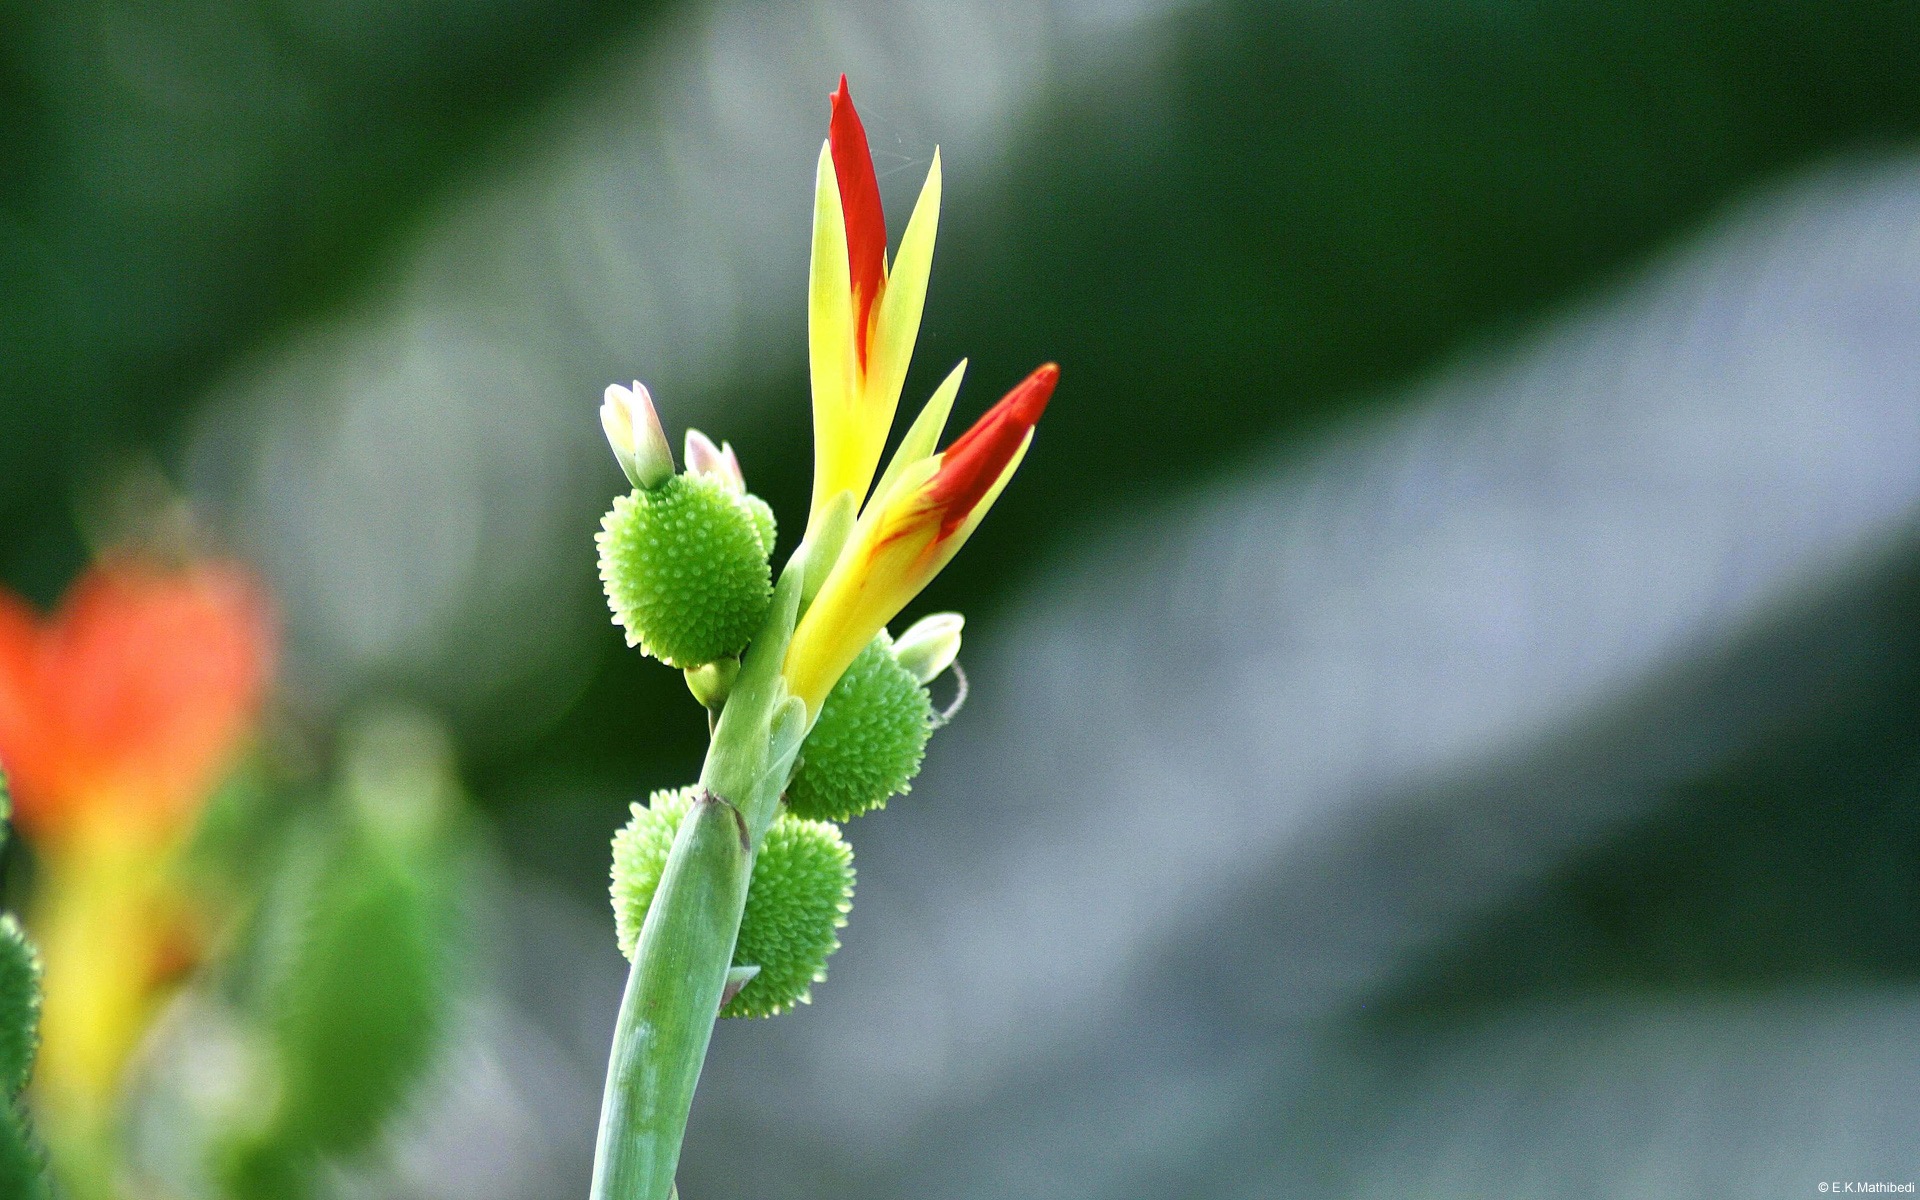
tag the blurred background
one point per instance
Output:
(1444, 686)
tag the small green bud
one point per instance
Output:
(712, 683)
(640, 858)
(798, 897)
(801, 892)
(868, 742)
(685, 569)
(930, 645)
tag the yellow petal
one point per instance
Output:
(901, 305)
(830, 350)
(923, 436)
(824, 543)
(872, 581)
(108, 907)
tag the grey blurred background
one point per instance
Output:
(1445, 684)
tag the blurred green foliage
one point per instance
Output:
(178, 184)
(1797, 860)
(353, 962)
(1267, 223)
(354, 1016)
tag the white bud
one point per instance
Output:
(930, 645)
(705, 458)
(634, 431)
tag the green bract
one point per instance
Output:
(799, 895)
(685, 569)
(868, 742)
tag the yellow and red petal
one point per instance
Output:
(979, 457)
(863, 319)
(866, 224)
(830, 348)
(909, 533)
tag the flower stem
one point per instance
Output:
(685, 948)
(672, 998)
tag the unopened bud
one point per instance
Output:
(737, 978)
(930, 645)
(717, 462)
(711, 682)
(634, 431)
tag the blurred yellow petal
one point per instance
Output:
(117, 938)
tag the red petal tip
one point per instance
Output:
(974, 461)
(1029, 399)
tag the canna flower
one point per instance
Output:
(127, 706)
(862, 317)
(119, 716)
(926, 507)
(844, 725)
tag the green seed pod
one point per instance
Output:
(685, 569)
(869, 740)
(640, 858)
(800, 893)
(763, 522)
(19, 1008)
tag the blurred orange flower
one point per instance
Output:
(129, 703)
(119, 716)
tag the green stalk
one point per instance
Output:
(672, 998)
(686, 943)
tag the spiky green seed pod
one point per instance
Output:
(22, 1168)
(763, 522)
(640, 858)
(869, 740)
(19, 1007)
(685, 569)
(799, 895)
